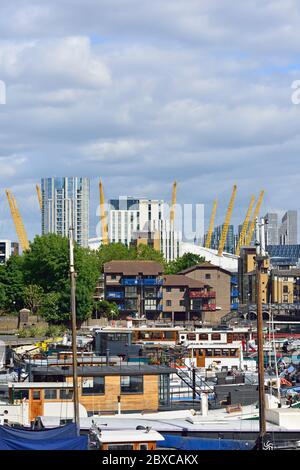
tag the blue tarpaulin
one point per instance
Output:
(196, 443)
(61, 432)
(61, 438)
(75, 443)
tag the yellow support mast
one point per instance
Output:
(20, 229)
(241, 241)
(103, 218)
(227, 222)
(39, 195)
(253, 220)
(211, 224)
(172, 211)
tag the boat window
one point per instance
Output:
(50, 394)
(132, 384)
(66, 394)
(217, 352)
(20, 394)
(143, 446)
(209, 352)
(233, 352)
(225, 352)
(93, 385)
(36, 395)
(191, 336)
(120, 447)
(203, 336)
(215, 336)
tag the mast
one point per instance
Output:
(74, 334)
(260, 258)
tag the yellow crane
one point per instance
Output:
(103, 218)
(253, 220)
(241, 241)
(39, 195)
(20, 229)
(172, 211)
(211, 224)
(227, 221)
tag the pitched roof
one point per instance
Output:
(205, 265)
(133, 267)
(183, 281)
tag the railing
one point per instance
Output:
(202, 294)
(209, 307)
(234, 292)
(114, 295)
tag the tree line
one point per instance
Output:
(39, 278)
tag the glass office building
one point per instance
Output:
(65, 202)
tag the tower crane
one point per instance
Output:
(253, 220)
(103, 218)
(39, 195)
(241, 241)
(172, 211)
(20, 229)
(211, 224)
(227, 221)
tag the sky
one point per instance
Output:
(142, 93)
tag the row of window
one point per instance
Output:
(89, 386)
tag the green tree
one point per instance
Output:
(51, 307)
(12, 278)
(33, 297)
(183, 262)
(147, 253)
(47, 265)
(2, 296)
(107, 309)
(114, 251)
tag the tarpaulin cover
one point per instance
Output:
(195, 443)
(76, 443)
(61, 432)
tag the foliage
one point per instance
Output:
(33, 297)
(2, 296)
(107, 309)
(37, 331)
(119, 251)
(183, 262)
(12, 278)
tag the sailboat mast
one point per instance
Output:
(260, 257)
(74, 333)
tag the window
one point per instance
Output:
(182, 303)
(207, 276)
(92, 385)
(132, 384)
(191, 336)
(66, 394)
(182, 289)
(168, 289)
(143, 446)
(20, 394)
(203, 337)
(169, 303)
(215, 336)
(113, 276)
(285, 289)
(36, 395)
(50, 394)
(120, 447)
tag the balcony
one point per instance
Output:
(202, 294)
(234, 306)
(234, 280)
(234, 292)
(130, 282)
(209, 307)
(114, 295)
(141, 282)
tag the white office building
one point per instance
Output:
(65, 203)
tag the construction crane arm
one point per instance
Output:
(103, 218)
(174, 195)
(20, 229)
(211, 225)
(245, 227)
(227, 222)
(253, 220)
(39, 195)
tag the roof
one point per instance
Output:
(130, 436)
(204, 265)
(180, 280)
(101, 371)
(286, 272)
(133, 268)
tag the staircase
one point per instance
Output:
(194, 381)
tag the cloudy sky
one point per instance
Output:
(145, 92)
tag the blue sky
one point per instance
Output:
(144, 93)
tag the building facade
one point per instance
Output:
(230, 243)
(136, 221)
(135, 286)
(271, 228)
(220, 281)
(65, 203)
(288, 230)
(247, 277)
(7, 248)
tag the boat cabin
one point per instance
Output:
(113, 389)
(216, 356)
(130, 440)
